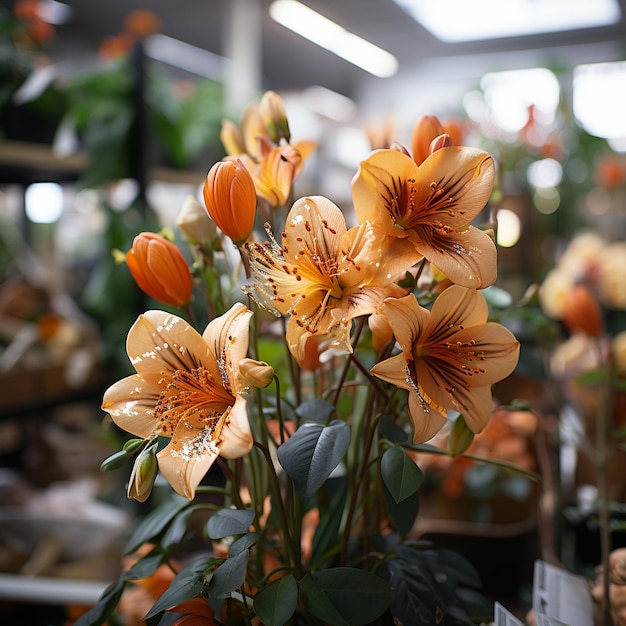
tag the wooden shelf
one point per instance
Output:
(25, 163)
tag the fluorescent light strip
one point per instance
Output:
(460, 20)
(333, 37)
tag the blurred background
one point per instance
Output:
(110, 116)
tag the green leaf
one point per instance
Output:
(155, 522)
(187, 584)
(243, 543)
(276, 603)
(403, 514)
(105, 606)
(358, 596)
(315, 411)
(229, 522)
(318, 603)
(230, 575)
(497, 297)
(176, 530)
(146, 566)
(400, 474)
(327, 531)
(392, 431)
(312, 453)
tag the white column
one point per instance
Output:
(242, 48)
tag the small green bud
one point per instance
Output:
(460, 438)
(144, 473)
(115, 461)
(132, 445)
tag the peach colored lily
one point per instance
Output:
(428, 208)
(450, 358)
(322, 275)
(188, 388)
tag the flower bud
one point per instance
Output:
(398, 147)
(274, 116)
(442, 141)
(425, 130)
(231, 138)
(461, 437)
(230, 199)
(254, 132)
(160, 270)
(256, 373)
(194, 223)
(115, 461)
(582, 311)
(144, 473)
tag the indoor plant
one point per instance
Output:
(290, 419)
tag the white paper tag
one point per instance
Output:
(503, 617)
(561, 598)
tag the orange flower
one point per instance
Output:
(274, 175)
(141, 23)
(187, 388)
(230, 199)
(160, 269)
(582, 311)
(450, 358)
(427, 209)
(322, 275)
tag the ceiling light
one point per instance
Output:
(599, 98)
(333, 37)
(460, 20)
(185, 56)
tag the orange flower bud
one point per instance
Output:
(230, 199)
(160, 269)
(582, 311)
(274, 116)
(425, 130)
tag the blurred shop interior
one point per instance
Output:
(110, 117)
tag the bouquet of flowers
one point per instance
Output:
(332, 352)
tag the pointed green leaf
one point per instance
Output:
(403, 514)
(229, 522)
(358, 596)
(187, 584)
(315, 410)
(146, 566)
(312, 453)
(401, 475)
(155, 522)
(105, 606)
(230, 575)
(243, 543)
(318, 603)
(277, 602)
(392, 431)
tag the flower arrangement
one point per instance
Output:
(331, 354)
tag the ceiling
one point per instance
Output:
(289, 61)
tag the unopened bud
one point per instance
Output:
(194, 223)
(144, 473)
(274, 116)
(442, 141)
(398, 147)
(132, 445)
(115, 461)
(256, 373)
(460, 438)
